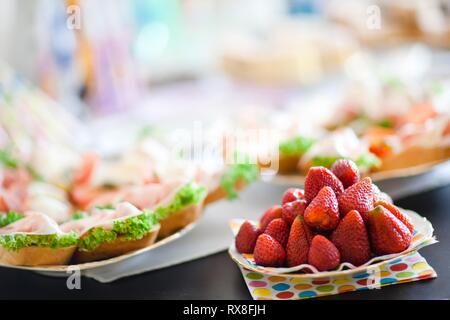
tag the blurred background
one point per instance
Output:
(117, 55)
(173, 60)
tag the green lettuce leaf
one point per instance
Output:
(385, 123)
(326, 162)
(296, 146)
(365, 161)
(7, 159)
(145, 132)
(77, 215)
(133, 228)
(17, 241)
(105, 206)
(189, 194)
(362, 122)
(437, 88)
(393, 82)
(246, 172)
(9, 218)
(368, 160)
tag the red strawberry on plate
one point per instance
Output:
(279, 230)
(272, 213)
(292, 194)
(323, 213)
(351, 239)
(397, 213)
(298, 243)
(293, 209)
(346, 171)
(268, 252)
(323, 254)
(319, 177)
(358, 197)
(246, 238)
(387, 233)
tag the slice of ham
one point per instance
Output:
(429, 134)
(15, 177)
(146, 196)
(417, 114)
(83, 195)
(49, 199)
(33, 223)
(13, 189)
(95, 173)
(102, 218)
(13, 199)
(129, 169)
(83, 174)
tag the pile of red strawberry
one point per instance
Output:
(337, 218)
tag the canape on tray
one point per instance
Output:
(112, 231)
(35, 239)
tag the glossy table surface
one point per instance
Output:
(217, 277)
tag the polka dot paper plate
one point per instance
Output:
(423, 236)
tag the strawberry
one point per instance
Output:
(272, 213)
(268, 252)
(351, 239)
(323, 213)
(279, 230)
(323, 254)
(387, 233)
(378, 195)
(346, 171)
(298, 243)
(319, 177)
(246, 237)
(292, 194)
(357, 197)
(293, 209)
(397, 213)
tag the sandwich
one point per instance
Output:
(231, 181)
(110, 231)
(22, 190)
(418, 137)
(180, 208)
(175, 203)
(290, 152)
(34, 239)
(339, 144)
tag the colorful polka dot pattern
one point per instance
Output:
(412, 267)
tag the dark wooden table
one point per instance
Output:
(217, 277)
